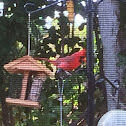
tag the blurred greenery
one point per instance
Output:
(62, 35)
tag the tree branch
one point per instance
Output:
(82, 117)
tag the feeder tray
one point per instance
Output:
(26, 66)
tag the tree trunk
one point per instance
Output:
(7, 114)
(108, 13)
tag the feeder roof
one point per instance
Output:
(26, 63)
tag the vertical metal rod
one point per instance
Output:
(90, 63)
(29, 33)
(60, 89)
(61, 111)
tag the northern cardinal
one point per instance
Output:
(68, 63)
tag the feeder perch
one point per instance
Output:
(70, 9)
(34, 75)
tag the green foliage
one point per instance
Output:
(122, 15)
(122, 59)
(122, 63)
(44, 43)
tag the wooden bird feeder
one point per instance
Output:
(70, 9)
(29, 68)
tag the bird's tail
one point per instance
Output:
(46, 59)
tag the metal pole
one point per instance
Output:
(90, 63)
(61, 111)
(60, 89)
(60, 100)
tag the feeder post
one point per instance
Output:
(90, 63)
(24, 85)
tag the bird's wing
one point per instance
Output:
(68, 63)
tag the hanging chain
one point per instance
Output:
(29, 33)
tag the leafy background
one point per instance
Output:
(62, 35)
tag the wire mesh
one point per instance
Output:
(15, 85)
(33, 91)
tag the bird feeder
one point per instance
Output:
(34, 75)
(70, 9)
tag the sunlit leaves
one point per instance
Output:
(44, 43)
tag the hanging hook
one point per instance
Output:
(40, 9)
(27, 6)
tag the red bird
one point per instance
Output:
(68, 63)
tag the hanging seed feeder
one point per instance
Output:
(29, 93)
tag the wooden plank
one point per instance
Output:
(24, 85)
(26, 63)
(23, 103)
(70, 9)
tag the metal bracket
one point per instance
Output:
(40, 9)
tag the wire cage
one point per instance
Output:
(26, 80)
(34, 86)
(15, 85)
